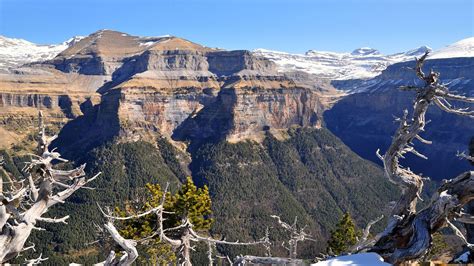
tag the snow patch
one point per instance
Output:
(17, 52)
(362, 63)
(365, 51)
(463, 48)
(363, 259)
(147, 43)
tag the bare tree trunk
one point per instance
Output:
(296, 235)
(128, 245)
(408, 233)
(23, 206)
(183, 244)
(186, 248)
(469, 209)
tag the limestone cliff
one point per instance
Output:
(27, 90)
(163, 86)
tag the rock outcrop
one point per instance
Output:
(165, 86)
(364, 120)
(27, 90)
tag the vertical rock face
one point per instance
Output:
(166, 86)
(257, 110)
(30, 100)
(182, 90)
(159, 111)
(364, 121)
(233, 112)
(227, 63)
(41, 101)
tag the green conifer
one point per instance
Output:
(343, 236)
(189, 202)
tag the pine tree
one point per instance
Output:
(189, 202)
(193, 203)
(343, 236)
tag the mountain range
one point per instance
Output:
(262, 129)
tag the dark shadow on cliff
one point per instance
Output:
(209, 126)
(365, 128)
(97, 125)
(131, 66)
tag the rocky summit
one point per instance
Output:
(136, 86)
(259, 128)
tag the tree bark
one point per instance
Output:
(408, 234)
(22, 207)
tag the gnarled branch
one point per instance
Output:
(408, 233)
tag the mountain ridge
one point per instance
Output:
(362, 63)
(373, 61)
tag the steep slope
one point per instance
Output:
(178, 89)
(126, 168)
(462, 48)
(311, 175)
(364, 121)
(253, 133)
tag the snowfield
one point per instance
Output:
(16, 52)
(362, 63)
(463, 48)
(363, 259)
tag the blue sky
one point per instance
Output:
(291, 25)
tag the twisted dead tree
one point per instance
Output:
(183, 244)
(364, 241)
(408, 233)
(297, 234)
(129, 254)
(26, 200)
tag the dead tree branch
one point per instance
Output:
(183, 244)
(24, 204)
(296, 235)
(364, 241)
(408, 233)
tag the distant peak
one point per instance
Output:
(365, 51)
(462, 48)
(72, 41)
(311, 52)
(418, 51)
(466, 41)
(108, 32)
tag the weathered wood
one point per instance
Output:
(129, 246)
(296, 235)
(408, 234)
(182, 244)
(24, 204)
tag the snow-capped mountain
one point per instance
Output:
(463, 48)
(16, 52)
(362, 63)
